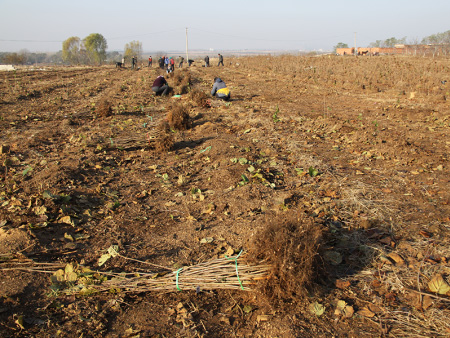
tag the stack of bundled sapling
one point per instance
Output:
(290, 245)
(199, 98)
(103, 107)
(178, 117)
(181, 81)
(162, 136)
(280, 264)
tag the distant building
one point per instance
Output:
(401, 49)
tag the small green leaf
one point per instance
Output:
(313, 172)
(26, 171)
(243, 160)
(247, 308)
(317, 309)
(71, 276)
(48, 195)
(68, 236)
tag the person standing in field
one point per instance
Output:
(220, 89)
(206, 61)
(220, 60)
(172, 63)
(150, 61)
(161, 62)
(166, 62)
(180, 61)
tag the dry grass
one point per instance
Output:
(408, 277)
(400, 75)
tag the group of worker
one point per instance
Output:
(168, 63)
(165, 62)
(161, 88)
(219, 88)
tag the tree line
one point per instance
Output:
(92, 50)
(435, 39)
(75, 51)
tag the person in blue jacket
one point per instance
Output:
(220, 89)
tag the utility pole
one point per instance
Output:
(356, 51)
(187, 54)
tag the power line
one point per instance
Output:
(5, 40)
(271, 40)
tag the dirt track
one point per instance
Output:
(355, 147)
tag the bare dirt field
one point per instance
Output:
(121, 213)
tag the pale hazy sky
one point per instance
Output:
(42, 25)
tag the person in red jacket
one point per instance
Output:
(160, 86)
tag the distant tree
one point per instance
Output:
(133, 48)
(113, 56)
(14, 58)
(439, 38)
(389, 43)
(376, 44)
(55, 58)
(71, 50)
(95, 45)
(340, 45)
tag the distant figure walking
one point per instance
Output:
(172, 63)
(166, 62)
(150, 61)
(206, 61)
(133, 62)
(180, 61)
(160, 86)
(220, 90)
(220, 60)
(161, 62)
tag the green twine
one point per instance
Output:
(176, 279)
(237, 272)
(202, 151)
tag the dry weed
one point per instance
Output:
(406, 273)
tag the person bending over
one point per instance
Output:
(220, 89)
(160, 86)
